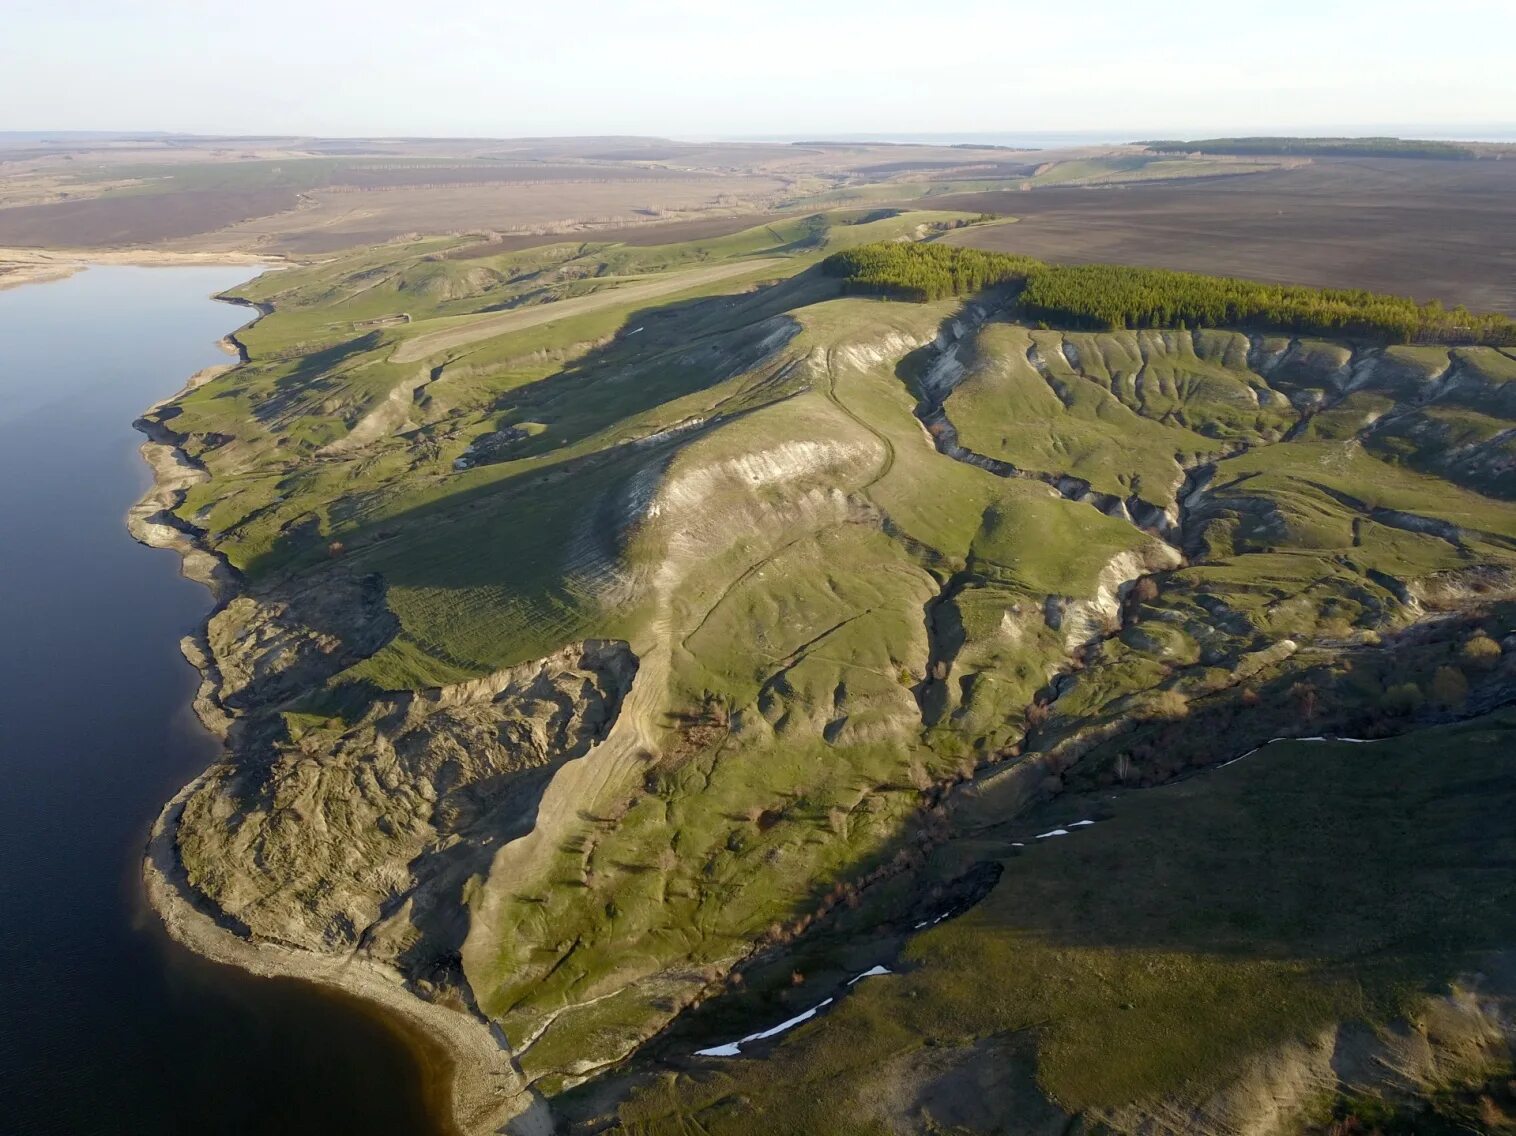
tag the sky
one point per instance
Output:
(781, 68)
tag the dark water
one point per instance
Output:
(105, 1025)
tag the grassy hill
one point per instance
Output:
(634, 642)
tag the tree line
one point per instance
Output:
(925, 272)
(1326, 147)
(1114, 297)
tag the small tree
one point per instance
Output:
(1481, 651)
(1402, 699)
(1450, 688)
(1305, 697)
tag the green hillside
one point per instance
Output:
(633, 643)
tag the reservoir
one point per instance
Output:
(106, 1026)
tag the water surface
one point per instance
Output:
(105, 1025)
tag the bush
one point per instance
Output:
(1402, 700)
(1481, 651)
(1306, 697)
(1450, 688)
(1167, 706)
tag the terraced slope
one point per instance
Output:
(584, 670)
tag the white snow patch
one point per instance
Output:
(733, 1048)
(1081, 823)
(1055, 832)
(1271, 741)
(871, 972)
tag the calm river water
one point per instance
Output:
(105, 1025)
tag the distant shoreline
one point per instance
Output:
(22, 266)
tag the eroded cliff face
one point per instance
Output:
(269, 648)
(333, 838)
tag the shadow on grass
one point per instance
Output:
(525, 523)
(1191, 926)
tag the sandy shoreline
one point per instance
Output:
(486, 1091)
(22, 266)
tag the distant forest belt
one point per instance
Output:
(1118, 297)
(500, 323)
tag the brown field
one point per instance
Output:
(327, 221)
(386, 177)
(1434, 230)
(268, 195)
(148, 219)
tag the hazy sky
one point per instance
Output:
(717, 67)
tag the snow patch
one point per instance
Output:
(734, 1048)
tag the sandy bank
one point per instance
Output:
(19, 266)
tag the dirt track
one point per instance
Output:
(488, 326)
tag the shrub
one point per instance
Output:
(1305, 697)
(1167, 706)
(1450, 688)
(1481, 651)
(1402, 699)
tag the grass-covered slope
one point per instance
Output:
(1230, 922)
(585, 662)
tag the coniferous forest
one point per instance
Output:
(1111, 297)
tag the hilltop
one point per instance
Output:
(622, 647)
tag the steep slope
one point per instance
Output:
(582, 668)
